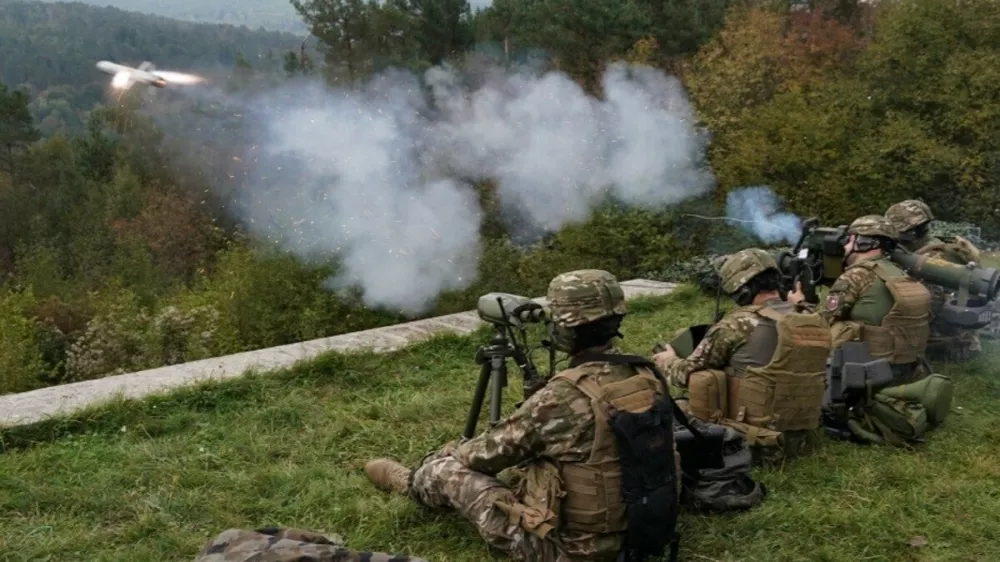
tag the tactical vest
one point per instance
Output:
(776, 380)
(593, 501)
(901, 336)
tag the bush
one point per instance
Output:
(127, 337)
(22, 366)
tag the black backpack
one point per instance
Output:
(649, 476)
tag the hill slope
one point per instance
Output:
(275, 15)
(51, 48)
(157, 478)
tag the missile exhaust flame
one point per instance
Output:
(120, 81)
(178, 77)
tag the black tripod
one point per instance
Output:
(493, 359)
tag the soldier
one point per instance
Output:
(567, 506)
(912, 219)
(875, 302)
(762, 368)
(286, 545)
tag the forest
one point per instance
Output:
(273, 15)
(49, 50)
(129, 242)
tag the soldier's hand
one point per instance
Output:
(662, 357)
(796, 296)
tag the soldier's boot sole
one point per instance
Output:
(388, 475)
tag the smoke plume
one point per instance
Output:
(755, 209)
(381, 175)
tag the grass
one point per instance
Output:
(155, 479)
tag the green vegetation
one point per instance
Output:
(153, 480)
(274, 15)
(49, 50)
(117, 253)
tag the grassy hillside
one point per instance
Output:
(275, 15)
(154, 480)
(51, 49)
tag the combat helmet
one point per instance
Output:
(909, 214)
(741, 267)
(584, 296)
(874, 225)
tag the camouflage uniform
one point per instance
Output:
(553, 428)
(727, 347)
(286, 545)
(733, 331)
(556, 423)
(845, 292)
(854, 287)
(714, 351)
(954, 343)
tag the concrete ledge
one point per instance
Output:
(37, 405)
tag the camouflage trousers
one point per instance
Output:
(442, 481)
(286, 545)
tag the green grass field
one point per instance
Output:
(154, 480)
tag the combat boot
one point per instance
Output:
(387, 474)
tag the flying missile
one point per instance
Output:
(126, 76)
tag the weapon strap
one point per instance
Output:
(638, 361)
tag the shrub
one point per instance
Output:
(22, 366)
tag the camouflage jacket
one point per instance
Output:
(556, 423)
(286, 545)
(717, 347)
(846, 291)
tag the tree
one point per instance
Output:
(779, 91)
(344, 28)
(932, 75)
(442, 28)
(17, 128)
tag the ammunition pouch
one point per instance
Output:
(846, 331)
(540, 491)
(708, 395)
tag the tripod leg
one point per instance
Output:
(499, 371)
(477, 401)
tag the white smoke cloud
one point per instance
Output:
(381, 175)
(755, 209)
(556, 152)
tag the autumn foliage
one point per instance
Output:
(110, 264)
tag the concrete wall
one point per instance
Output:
(37, 405)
